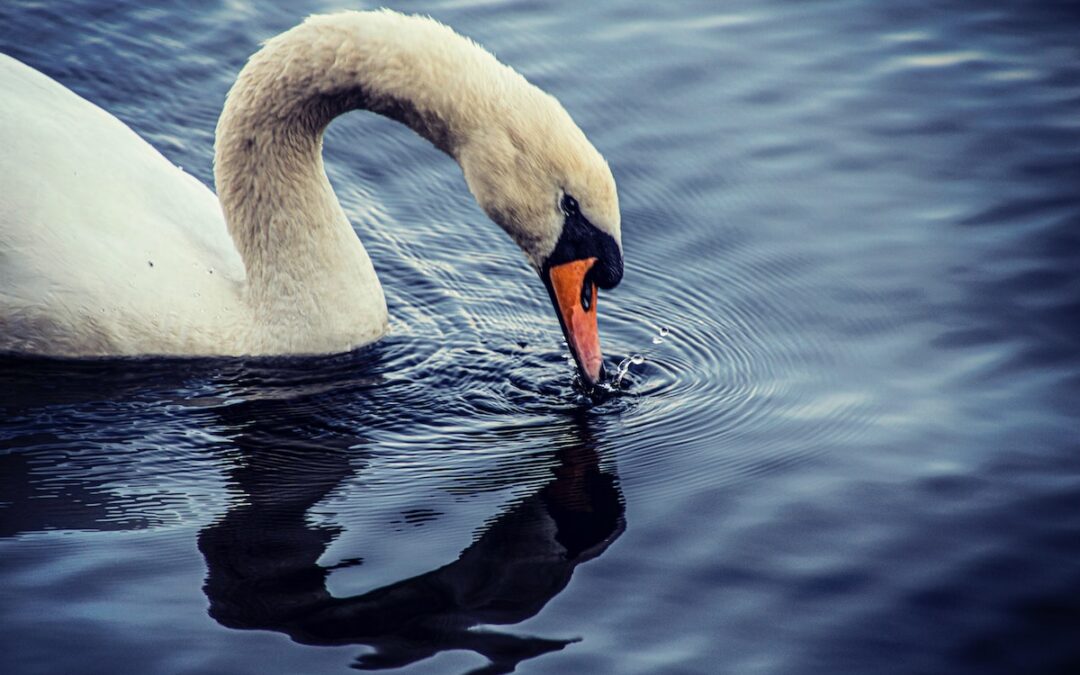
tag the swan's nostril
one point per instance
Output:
(587, 291)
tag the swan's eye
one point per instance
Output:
(570, 206)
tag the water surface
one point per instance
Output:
(855, 450)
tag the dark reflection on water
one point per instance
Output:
(853, 450)
(287, 436)
(262, 556)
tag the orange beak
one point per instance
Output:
(575, 303)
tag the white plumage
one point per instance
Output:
(106, 248)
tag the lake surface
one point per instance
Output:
(856, 449)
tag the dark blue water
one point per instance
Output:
(856, 451)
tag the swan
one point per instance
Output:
(108, 249)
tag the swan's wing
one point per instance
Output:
(99, 233)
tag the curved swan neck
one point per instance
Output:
(411, 69)
(268, 151)
(304, 264)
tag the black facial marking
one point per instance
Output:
(579, 240)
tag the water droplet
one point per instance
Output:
(624, 368)
(664, 331)
(657, 340)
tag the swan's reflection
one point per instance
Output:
(263, 571)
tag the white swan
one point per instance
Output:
(106, 248)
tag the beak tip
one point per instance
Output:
(594, 372)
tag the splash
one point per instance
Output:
(624, 368)
(619, 384)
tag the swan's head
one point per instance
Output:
(538, 177)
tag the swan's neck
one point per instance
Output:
(305, 265)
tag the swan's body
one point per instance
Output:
(106, 248)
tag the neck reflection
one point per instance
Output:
(263, 571)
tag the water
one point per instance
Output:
(853, 450)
